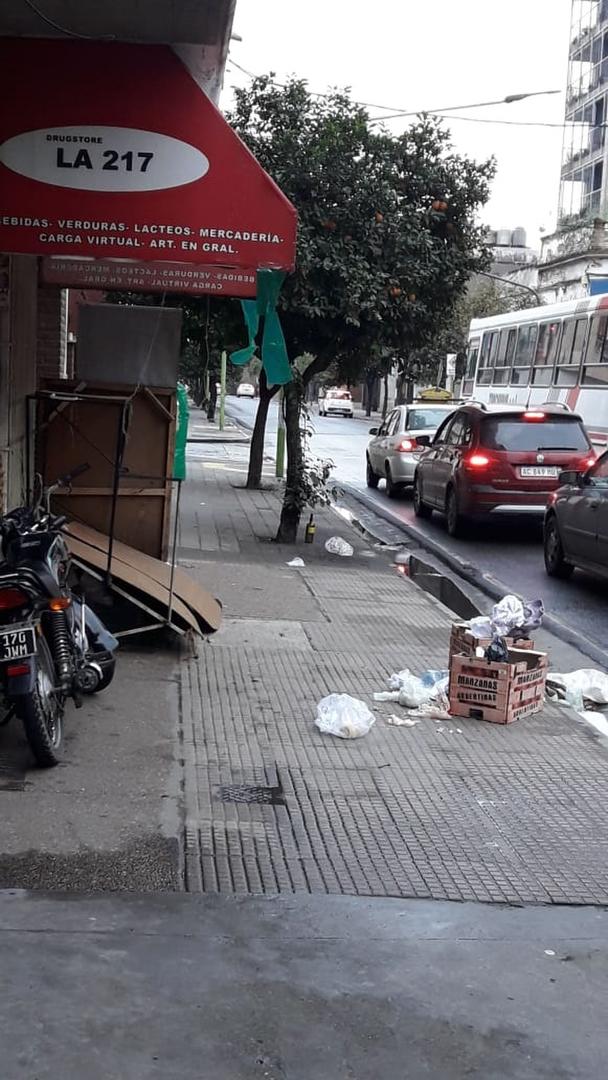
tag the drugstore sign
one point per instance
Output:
(112, 151)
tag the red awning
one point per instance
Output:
(111, 151)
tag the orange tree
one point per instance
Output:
(387, 239)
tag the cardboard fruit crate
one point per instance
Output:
(462, 641)
(499, 693)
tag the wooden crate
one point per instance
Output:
(499, 693)
(463, 642)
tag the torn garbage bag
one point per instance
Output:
(411, 690)
(580, 689)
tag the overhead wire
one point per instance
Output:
(441, 113)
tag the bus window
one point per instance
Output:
(595, 369)
(471, 367)
(546, 352)
(524, 351)
(570, 352)
(487, 358)
(504, 357)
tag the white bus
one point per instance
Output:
(557, 353)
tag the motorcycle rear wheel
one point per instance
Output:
(42, 711)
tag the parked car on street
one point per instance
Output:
(487, 459)
(576, 522)
(245, 389)
(395, 449)
(336, 402)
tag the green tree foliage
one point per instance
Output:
(482, 299)
(387, 234)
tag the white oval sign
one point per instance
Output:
(92, 158)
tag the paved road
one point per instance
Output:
(507, 548)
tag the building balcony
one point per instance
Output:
(593, 149)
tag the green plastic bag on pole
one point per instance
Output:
(274, 350)
(181, 433)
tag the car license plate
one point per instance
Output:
(17, 643)
(539, 470)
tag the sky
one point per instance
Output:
(430, 56)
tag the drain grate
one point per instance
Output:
(252, 793)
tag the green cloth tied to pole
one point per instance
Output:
(274, 350)
(181, 433)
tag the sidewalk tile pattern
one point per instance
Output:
(458, 810)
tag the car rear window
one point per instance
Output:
(519, 434)
(343, 395)
(417, 419)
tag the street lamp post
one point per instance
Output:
(514, 284)
(508, 100)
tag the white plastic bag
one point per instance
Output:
(481, 627)
(507, 615)
(578, 688)
(296, 562)
(344, 716)
(337, 546)
(414, 691)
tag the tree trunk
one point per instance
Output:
(385, 399)
(256, 451)
(369, 393)
(212, 399)
(291, 510)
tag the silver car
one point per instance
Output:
(394, 451)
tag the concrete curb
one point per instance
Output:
(487, 584)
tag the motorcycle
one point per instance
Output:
(52, 645)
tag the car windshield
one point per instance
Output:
(519, 434)
(417, 419)
(344, 395)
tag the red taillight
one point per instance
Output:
(535, 416)
(11, 597)
(14, 670)
(405, 445)
(590, 460)
(477, 461)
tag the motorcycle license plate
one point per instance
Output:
(539, 470)
(17, 643)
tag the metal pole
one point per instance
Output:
(223, 390)
(280, 454)
(515, 284)
(174, 552)
(120, 443)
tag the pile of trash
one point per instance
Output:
(423, 696)
(511, 621)
(584, 690)
(510, 617)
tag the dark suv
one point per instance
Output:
(485, 459)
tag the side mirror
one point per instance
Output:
(423, 440)
(571, 478)
(373, 430)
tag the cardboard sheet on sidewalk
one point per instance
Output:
(192, 604)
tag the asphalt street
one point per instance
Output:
(508, 548)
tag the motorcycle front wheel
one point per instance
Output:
(42, 711)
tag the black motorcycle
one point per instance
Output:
(52, 646)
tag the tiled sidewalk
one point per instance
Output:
(460, 810)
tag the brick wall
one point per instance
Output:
(51, 331)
